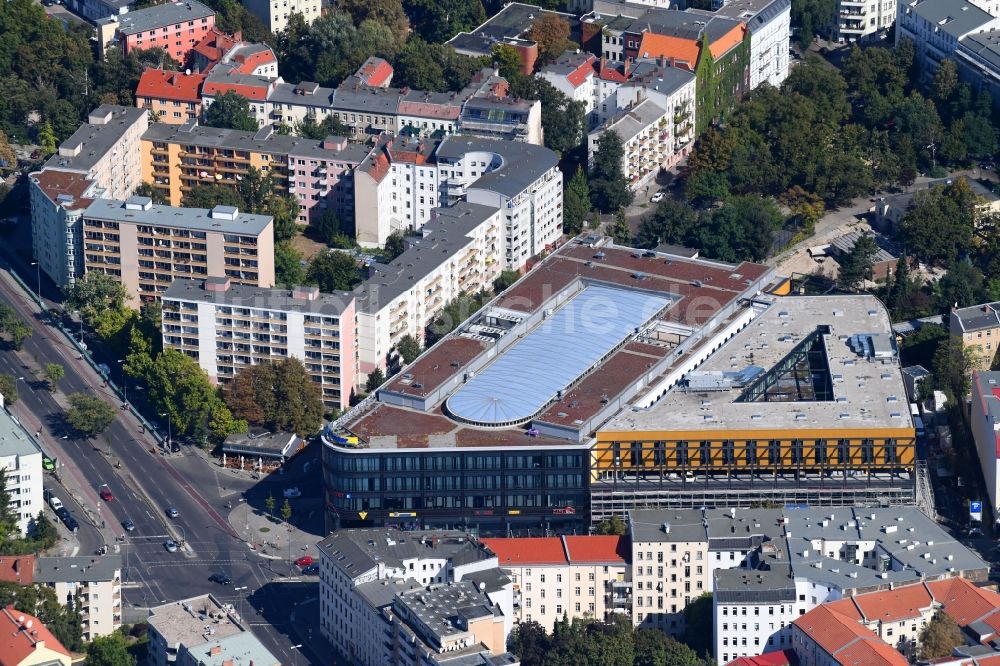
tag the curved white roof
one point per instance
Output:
(552, 355)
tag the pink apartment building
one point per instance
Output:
(176, 27)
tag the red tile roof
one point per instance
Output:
(596, 548)
(21, 634)
(610, 72)
(831, 630)
(174, 86)
(870, 653)
(375, 72)
(18, 569)
(580, 74)
(526, 551)
(963, 601)
(894, 605)
(779, 658)
(215, 44)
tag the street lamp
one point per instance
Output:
(17, 392)
(38, 274)
(170, 434)
(121, 362)
(295, 657)
(239, 597)
(80, 317)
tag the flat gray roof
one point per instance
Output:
(955, 17)
(867, 388)
(356, 551)
(666, 525)
(523, 163)
(444, 235)
(243, 648)
(198, 219)
(159, 16)
(630, 122)
(184, 621)
(14, 441)
(82, 569)
(523, 379)
(104, 129)
(285, 92)
(366, 99)
(260, 298)
(440, 606)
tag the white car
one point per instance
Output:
(658, 197)
(292, 493)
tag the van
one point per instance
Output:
(55, 503)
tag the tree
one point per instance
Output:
(286, 510)
(110, 650)
(53, 373)
(438, 21)
(94, 293)
(655, 648)
(47, 138)
(269, 504)
(230, 110)
(280, 396)
(329, 230)
(331, 125)
(962, 286)
(8, 517)
(551, 31)
(938, 226)
(210, 196)
(409, 348)
(333, 271)
(387, 12)
(8, 158)
(742, 229)
(8, 389)
(507, 278)
(288, 268)
(563, 118)
(395, 245)
(698, 619)
(952, 365)
(147, 190)
(612, 525)
(856, 265)
(809, 16)
(375, 379)
(89, 415)
(619, 229)
(507, 61)
(940, 637)
(673, 222)
(608, 187)
(576, 203)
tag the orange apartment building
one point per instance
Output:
(171, 97)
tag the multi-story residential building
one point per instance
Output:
(860, 20)
(414, 598)
(226, 327)
(95, 10)
(655, 120)
(881, 627)
(375, 72)
(218, 47)
(177, 157)
(94, 583)
(146, 246)
(813, 556)
(201, 631)
(26, 641)
(936, 27)
(569, 576)
(978, 329)
(769, 24)
(101, 159)
(574, 74)
(985, 418)
(21, 460)
(275, 15)
(226, 78)
(456, 252)
(978, 59)
(175, 27)
(399, 183)
(171, 97)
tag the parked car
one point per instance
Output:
(305, 561)
(658, 197)
(105, 493)
(172, 512)
(293, 492)
(170, 545)
(311, 570)
(48, 464)
(128, 525)
(220, 578)
(55, 503)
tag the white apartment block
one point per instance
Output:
(456, 252)
(770, 26)
(274, 13)
(399, 183)
(21, 462)
(227, 327)
(574, 74)
(569, 576)
(394, 597)
(937, 26)
(95, 581)
(655, 119)
(101, 159)
(857, 20)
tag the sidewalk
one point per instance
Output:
(273, 539)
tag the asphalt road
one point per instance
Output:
(144, 485)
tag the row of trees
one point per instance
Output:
(613, 643)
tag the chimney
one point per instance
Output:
(217, 284)
(305, 293)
